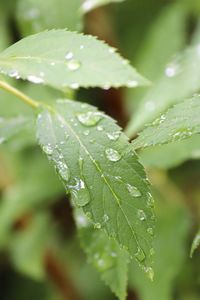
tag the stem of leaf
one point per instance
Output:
(7, 87)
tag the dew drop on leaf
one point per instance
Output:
(150, 273)
(47, 149)
(80, 193)
(89, 118)
(133, 190)
(141, 215)
(113, 136)
(73, 65)
(69, 55)
(112, 155)
(63, 170)
(139, 255)
(35, 79)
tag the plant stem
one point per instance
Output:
(7, 87)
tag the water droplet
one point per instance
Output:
(73, 65)
(141, 215)
(63, 170)
(112, 50)
(139, 255)
(82, 47)
(35, 79)
(112, 155)
(103, 261)
(100, 128)
(97, 225)
(79, 192)
(150, 200)
(113, 136)
(105, 218)
(150, 106)
(14, 74)
(132, 83)
(74, 86)
(69, 55)
(133, 190)
(150, 273)
(86, 132)
(106, 86)
(150, 230)
(89, 118)
(182, 133)
(172, 69)
(48, 149)
(81, 220)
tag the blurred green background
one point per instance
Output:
(40, 253)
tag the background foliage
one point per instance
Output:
(41, 253)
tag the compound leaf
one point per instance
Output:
(64, 59)
(101, 173)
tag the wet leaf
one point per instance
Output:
(64, 59)
(102, 175)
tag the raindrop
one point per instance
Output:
(150, 273)
(14, 74)
(90, 118)
(97, 225)
(150, 200)
(48, 149)
(81, 220)
(113, 136)
(112, 155)
(80, 193)
(69, 55)
(35, 79)
(63, 170)
(103, 261)
(141, 215)
(150, 230)
(73, 65)
(139, 255)
(133, 190)
(132, 83)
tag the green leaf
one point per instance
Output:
(104, 254)
(64, 59)
(91, 4)
(181, 80)
(174, 153)
(32, 15)
(179, 123)
(195, 243)
(101, 173)
(9, 127)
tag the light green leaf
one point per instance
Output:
(179, 123)
(64, 59)
(174, 153)
(88, 5)
(9, 127)
(195, 243)
(32, 15)
(101, 173)
(181, 79)
(104, 254)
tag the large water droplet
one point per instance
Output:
(35, 79)
(139, 255)
(73, 65)
(141, 215)
(90, 118)
(80, 193)
(112, 155)
(133, 190)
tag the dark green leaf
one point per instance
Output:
(101, 172)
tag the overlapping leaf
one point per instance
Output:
(101, 173)
(181, 80)
(64, 59)
(32, 15)
(104, 254)
(180, 122)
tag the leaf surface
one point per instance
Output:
(101, 173)
(104, 254)
(64, 59)
(179, 123)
